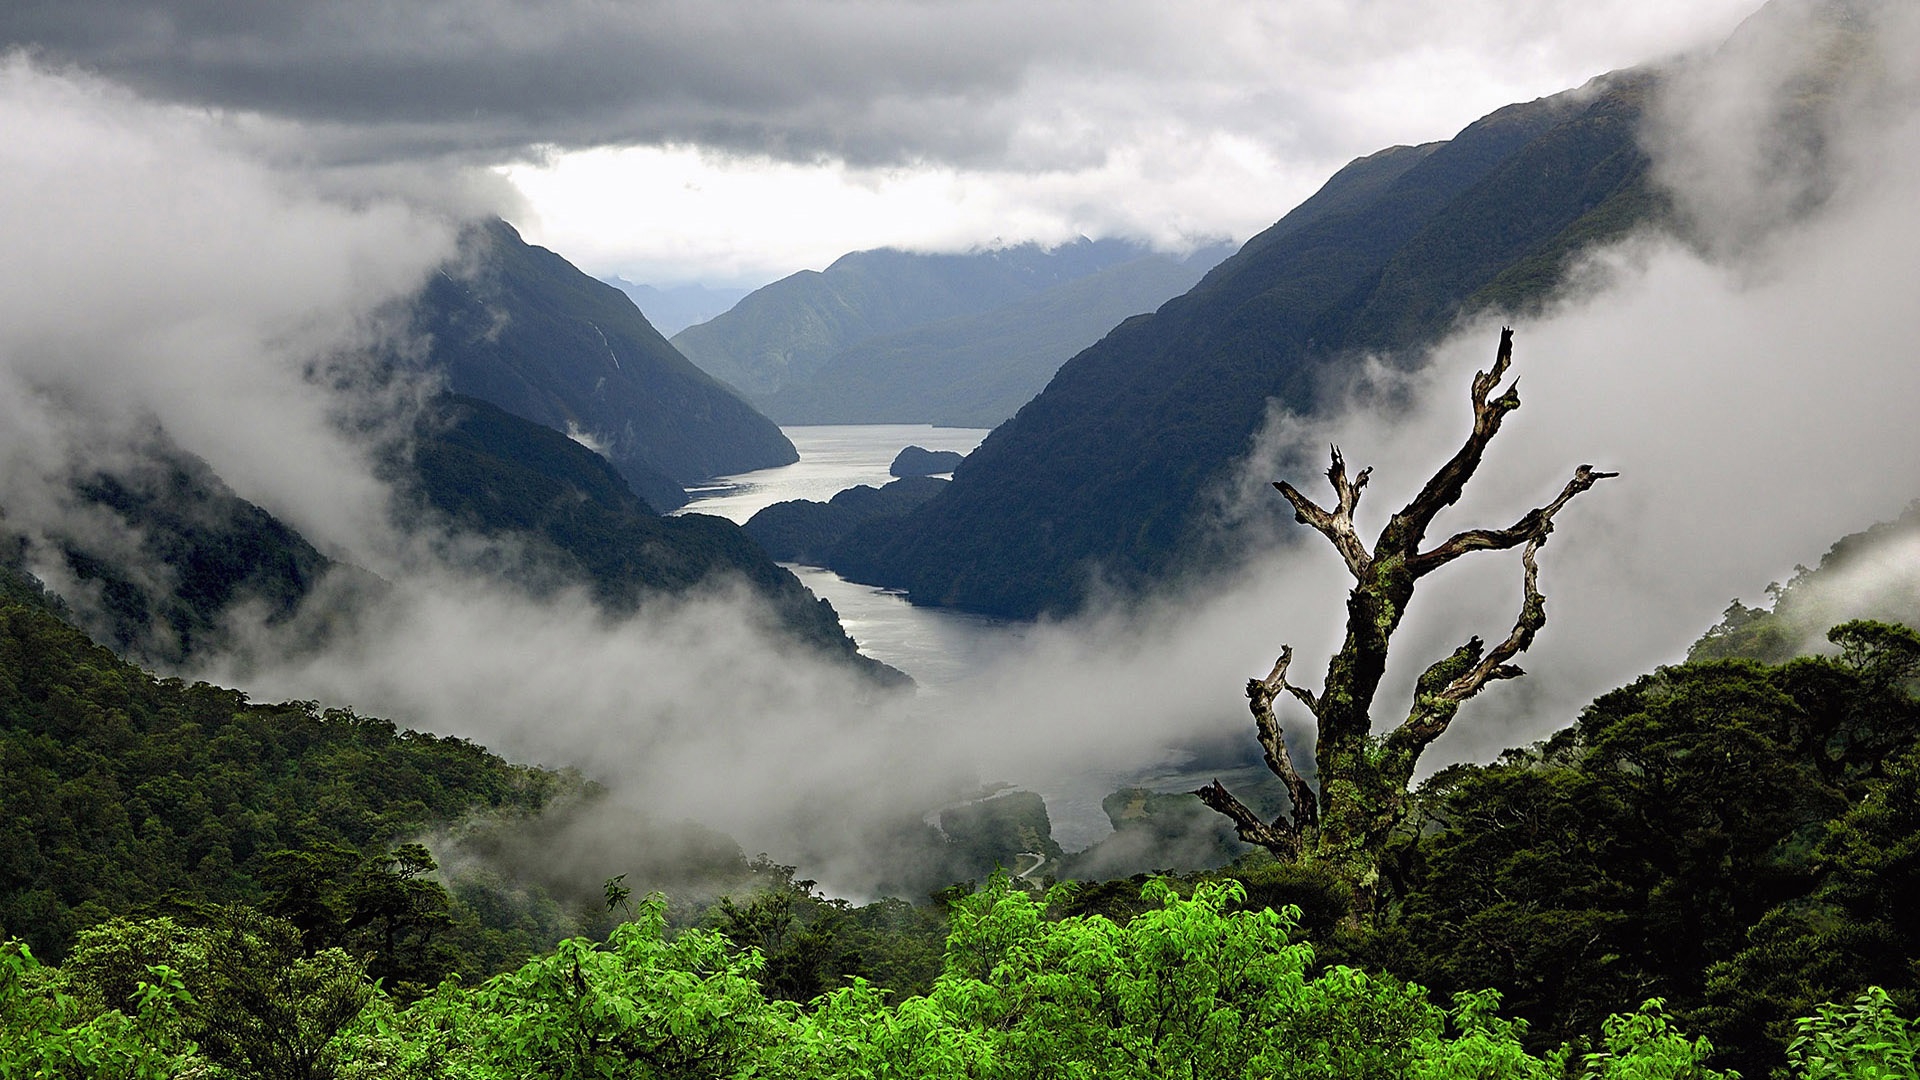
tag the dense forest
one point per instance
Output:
(1712, 869)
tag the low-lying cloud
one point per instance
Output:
(1755, 398)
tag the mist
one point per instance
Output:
(1752, 384)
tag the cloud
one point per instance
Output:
(1754, 397)
(980, 82)
(155, 276)
(815, 127)
(1750, 386)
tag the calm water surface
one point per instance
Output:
(937, 647)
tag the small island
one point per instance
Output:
(920, 461)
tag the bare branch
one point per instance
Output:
(1279, 837)
(1273, 739)
(1404, 533)
(1337, 524)
(1449, 682)
(1535, 524)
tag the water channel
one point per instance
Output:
(936, 646)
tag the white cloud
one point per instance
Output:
(1154, 122)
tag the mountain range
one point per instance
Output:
(977, 370)
(890, 336)
(1110, 472)
(673, 308)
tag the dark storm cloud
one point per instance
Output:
(863, 81)
(977, 83)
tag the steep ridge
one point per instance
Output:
(1110, 470)
(977, 370)
(155, 556)
(519, 326)
(781, 335)
(494, 474)
(160, 560)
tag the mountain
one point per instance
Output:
(1112, 470)
(156, 556)
(519, 326)
(493, 474)
(677, 307)
(977, 370)
(805, 531)
(160, 560)
(784, 333)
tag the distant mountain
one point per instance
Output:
(677, 307)
(784, 333)
(1111, 470)
(519, 326)
(977, 370)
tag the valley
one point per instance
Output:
(961, 620)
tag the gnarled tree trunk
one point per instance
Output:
(1363, 777)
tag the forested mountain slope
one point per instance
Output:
(782, 334)
(977, 370)
(155, 555)
(518, 326)
(163, 562)
(1111, 469)
(495, 475)
(1866, 575)
(120, 791)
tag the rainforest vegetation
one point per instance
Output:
(198, 884)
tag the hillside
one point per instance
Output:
(162, 561)
(1862, 576)
(120, 791)
(783, 334)
(977, 370)
(495, 475)
(518, 326)
(1112, 468)
(155, 556)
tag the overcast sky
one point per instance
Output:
(733, 142)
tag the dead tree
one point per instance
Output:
(1363, 777)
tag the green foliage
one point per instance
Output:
(1882, 653)
(47, 1033)
(1193, 987)
(1864, 1041)
(1731, 837)
(121, 792)
(267, 1008)
(1645, 1046)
